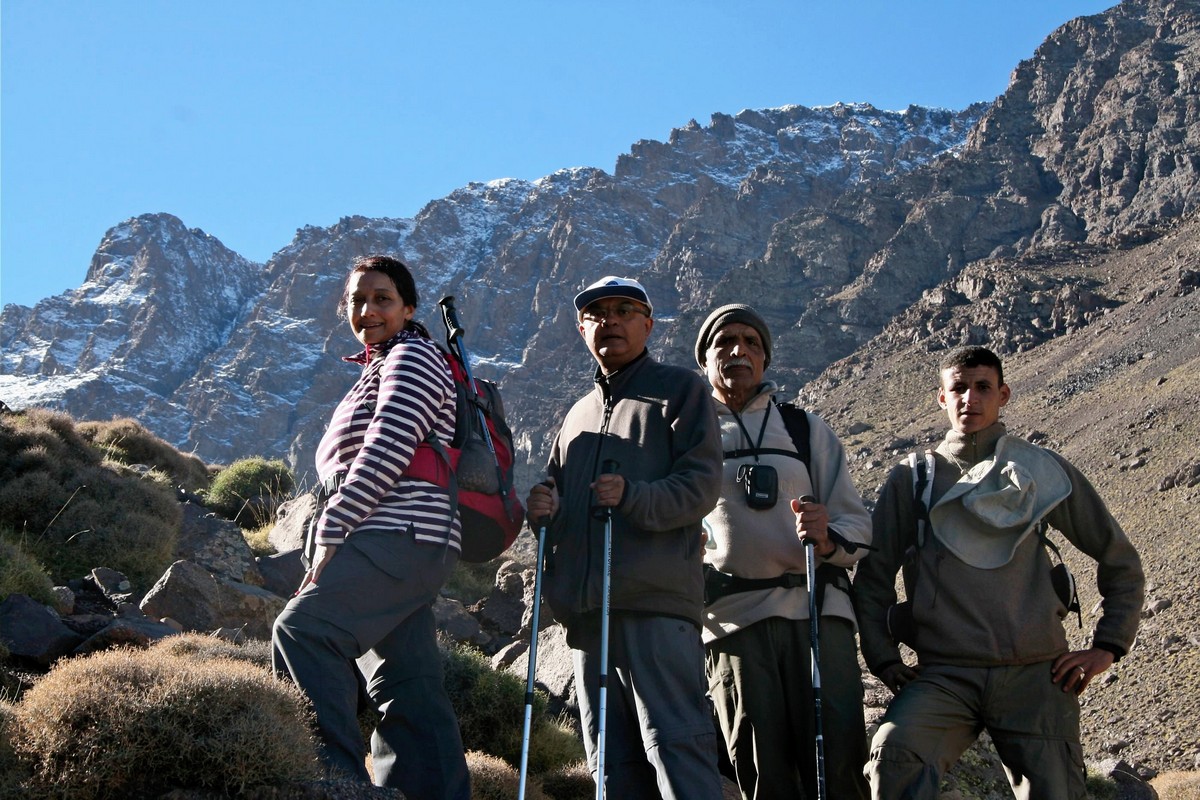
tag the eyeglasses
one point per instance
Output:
(622, 312)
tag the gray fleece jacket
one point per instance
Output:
(658, 423)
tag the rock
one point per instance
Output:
(111, 582)
(452, 618)
(509, 653)
(33, 633)
(125, 631)
(1130, 785)
(281, 572)
(505, 607)
(203, 602)
(291, 521)
(555, 670)
(216, 544)
(1155, 607)
(64, 600)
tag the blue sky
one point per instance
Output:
(252, 119)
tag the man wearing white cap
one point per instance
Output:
(985, 602)
(657, 423)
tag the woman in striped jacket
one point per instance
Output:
(385, 544)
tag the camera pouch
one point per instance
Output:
(760, 484)
(1064, 587)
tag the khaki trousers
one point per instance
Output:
(1033, 723)
(760, 680)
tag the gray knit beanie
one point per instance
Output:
(734, 312)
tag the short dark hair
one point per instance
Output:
(394, 268)
(971, 356)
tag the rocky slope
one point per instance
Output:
(1103, 354)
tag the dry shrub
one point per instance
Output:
(12, 773)
(259, 540)
(1177, 785)
(494, 778)
(127, 723)
(569, 782)
(127, 442)
(74, 513)
(20, 573)
(206, 646)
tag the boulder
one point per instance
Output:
(201, 601)
(281, 572)
(555, 669)
(291, 520)
(216, 544)
(34, 633)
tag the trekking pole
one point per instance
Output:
(810, 566)
(604, 512)
(533, 642)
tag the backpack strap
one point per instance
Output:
(795, 419)
(1060, 576)
(922, 476)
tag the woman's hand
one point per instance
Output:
(322, 555)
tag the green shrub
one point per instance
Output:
(74, 513)
(126, 723)
(491, 712)
(127, 442)
(1100, 787)
(250, 490)
(490, 705)
(20, 573)
(494, 778)
(553, 744)
(569, 782)
(469, 583)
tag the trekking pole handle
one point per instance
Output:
(607, 467)
(454, 329)
(549, 484)
(808, 498)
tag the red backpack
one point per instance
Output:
(477, 466)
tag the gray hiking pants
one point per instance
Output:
(370, 623)
(660, 741)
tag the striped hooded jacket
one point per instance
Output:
(404, 392)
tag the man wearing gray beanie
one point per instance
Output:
(756, 621)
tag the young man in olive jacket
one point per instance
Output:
(983, 612)
(658, 424)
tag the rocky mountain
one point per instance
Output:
(250, 363)
(1058, 224)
